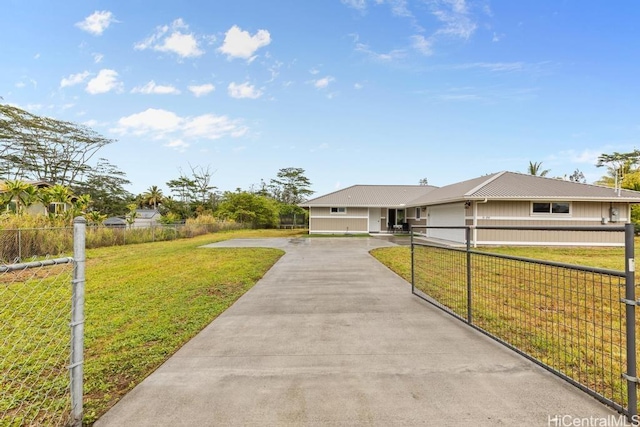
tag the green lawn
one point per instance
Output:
(144, 301)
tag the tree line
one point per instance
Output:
(65, 155)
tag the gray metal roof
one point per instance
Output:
(371, 196)
(517, 186)
(496, 186)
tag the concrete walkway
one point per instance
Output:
(331, 337)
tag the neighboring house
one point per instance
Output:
(365, 209)
(115, 222)
(146, 218)
(36, 208)
(504, 198)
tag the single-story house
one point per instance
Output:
(499, 199)
(35, 208)
(146, 218)
(365, 209)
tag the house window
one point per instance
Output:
(338, 210)
(57, 207)
(418, 210)
(551, 208)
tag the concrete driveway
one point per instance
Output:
(331, 337)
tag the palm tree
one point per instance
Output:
(17, 191)
(60, 194)
(535, 168)
(153, 196)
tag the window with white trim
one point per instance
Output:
(560, 208)
(338, 210)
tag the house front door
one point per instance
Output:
(374, 220)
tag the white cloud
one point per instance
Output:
(356, 4)
(358, 86)
(243, 90)
(105, 81)
(36, 56)
(97, 22)
(178, 131)
(421, 44)
(323, 82)
(456, 18)
(97, 57)
(151, 120)
(201, 90)
(392, 55)
(178, 144)
(20, 85)
(74, 79)
(172, 38)
(588, 156)
(210, 126)
(240, 44)
(90, 123)
(153, 88)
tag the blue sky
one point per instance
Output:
(352, 91)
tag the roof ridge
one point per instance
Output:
(488, 181)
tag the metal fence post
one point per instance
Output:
(630, 299)
(469, 299)
(20, 245)
(76, 368)
(413, 278)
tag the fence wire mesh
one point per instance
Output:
(569, 319)
(35, 312)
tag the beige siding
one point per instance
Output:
(338, 225)
(351, 212)
(503, 213)
(355, 220)
(582, 212)
(538, 237)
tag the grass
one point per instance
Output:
(143, 302)
(571, 321)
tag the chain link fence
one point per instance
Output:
(576, 321)
(25, 243)
(41, 325)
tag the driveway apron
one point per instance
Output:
(331, 337)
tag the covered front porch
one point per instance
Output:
(392, 220)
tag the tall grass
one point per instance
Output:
(23, 237)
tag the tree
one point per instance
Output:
(153, 196)
(577, 176)
(535, 168)
(247, 208)
(202, 183)
(291, 186)
(17, 191)
(131, 216)
(423, 181)
(618, 166)
(105, 184)
(46, 149)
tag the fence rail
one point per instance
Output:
(576, 321)
(41, 325)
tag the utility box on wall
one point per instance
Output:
(614, 213)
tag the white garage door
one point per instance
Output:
(447, 215)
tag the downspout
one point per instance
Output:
(475, 221)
